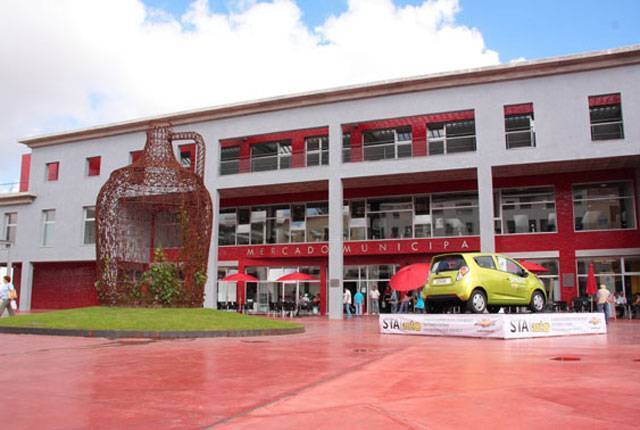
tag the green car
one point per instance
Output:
(481, 281)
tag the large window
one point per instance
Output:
(603, 206)
(271, 156)
(317, 150)
(89, 225)
(229, 160)
(227, 227)
(621, 275)
(346, 147)
(390, 218)
(387, 143)
(518, 126)
(48, 226)
(168, 230)
(368, 278)
(526, 210)
(10, 226)
(455, 214)
(451, 137)
(605, 113)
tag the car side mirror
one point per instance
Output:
(525, 274)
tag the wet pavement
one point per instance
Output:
(338, 375)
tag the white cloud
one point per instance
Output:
(76, 63)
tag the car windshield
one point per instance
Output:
(447, 263)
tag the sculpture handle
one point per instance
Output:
(200, 149)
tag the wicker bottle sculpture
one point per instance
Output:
(154, 203)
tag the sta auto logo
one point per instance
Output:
(393, 324)
(523, 326)
(595, 321)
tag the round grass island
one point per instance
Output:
(157, 323)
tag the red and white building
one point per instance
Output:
(537, 160)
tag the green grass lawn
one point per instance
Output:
(143, 319)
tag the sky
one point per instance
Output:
(69, 64)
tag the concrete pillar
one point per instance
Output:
(334, 302)
(211, 287)
(26, 284)
(485, 203)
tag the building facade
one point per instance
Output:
(537, 160)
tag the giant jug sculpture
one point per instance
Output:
(154, 203)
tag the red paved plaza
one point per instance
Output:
(338, 375)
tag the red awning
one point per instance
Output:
(604, 100)
(532, 267)
(521, 109)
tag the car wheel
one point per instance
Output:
(494, 309)
(537, 302)
(477, 303)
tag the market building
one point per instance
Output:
(537, 160)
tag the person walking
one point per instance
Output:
(374, 296)
(394, 302)
(404, 304)
(7, 294)
(419, 307)
(358, 298)
(346, 302)
(602, 301)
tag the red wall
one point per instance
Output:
(25, 170)
(63, 285)
(566, 240)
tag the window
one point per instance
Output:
(317, 217)
(451, 137)
(485, 261)
(135, 156)
(387, 143)
(447, 263)
(605, 113)
(455, 214)
(346, 147)
(621, 275)
(550, 278)
(229, 160)
(317, 150)
(93, 166)
(227, 227)
(48, 226)
(187, 156)
(509, 266)
(390, 218)
(89, 225)
(271, 156)
(526, 210)
(603, 206)
(52, 171)
(10, 226)
(518, 126)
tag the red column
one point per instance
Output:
(245, 157)
(25, 168)
(323, 288)
(567, 246)
(419, 133)
(298, 151)
(355, 142)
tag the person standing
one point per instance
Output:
(419, 307)
(393, 301)
(358, 298)
(602, 301)
(374, 296)
(404, 304)
(7, 294)
(346, 302)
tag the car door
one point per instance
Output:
(512, 285)
(490, 277)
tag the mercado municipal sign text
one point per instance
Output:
(418, 246)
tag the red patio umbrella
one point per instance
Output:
(592, 284)
(239, 277)
(532, 267)
(296, 276)
(410, 277)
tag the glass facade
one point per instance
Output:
(525, 210)
(451, 137)
(387, 143)
(366, 278)
(621, 275)
(271, 156)
(603, 206)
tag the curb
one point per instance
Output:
(119, 334)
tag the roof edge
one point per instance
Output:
(610, 58)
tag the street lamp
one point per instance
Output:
(6, 244)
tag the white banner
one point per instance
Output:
(501, 326)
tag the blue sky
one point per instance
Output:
(515, 28)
